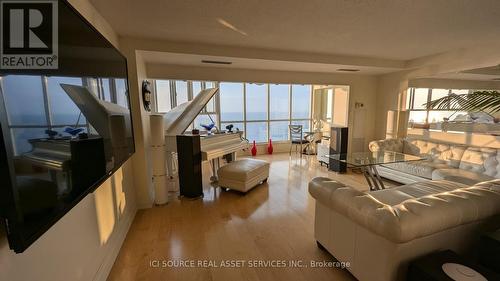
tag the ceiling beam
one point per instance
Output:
(256, 53)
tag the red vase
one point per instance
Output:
(270, 147)
(254, 149)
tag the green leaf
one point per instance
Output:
(487, 101)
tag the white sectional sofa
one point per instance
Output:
(380, 232)
(458, 163)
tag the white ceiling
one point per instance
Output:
(491, 73)
(258, 64)
(402, 29)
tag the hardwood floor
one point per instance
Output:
(272, 222)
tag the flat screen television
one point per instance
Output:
(64, 131)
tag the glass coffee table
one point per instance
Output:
(368, 162)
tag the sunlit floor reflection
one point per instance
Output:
(274, 220)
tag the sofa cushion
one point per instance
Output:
(422, 168)
(413, 218)
(426, 146)
(397, 195)
(395, 145)
(450, 156)
(480, 160)
(460, 176)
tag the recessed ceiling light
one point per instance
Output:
(348, 69)
(216, 62)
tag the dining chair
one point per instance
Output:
(296, 138)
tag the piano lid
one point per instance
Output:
(97, 112)
(178, 119)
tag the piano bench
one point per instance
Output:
(243, 175)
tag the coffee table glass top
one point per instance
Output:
(360, 159)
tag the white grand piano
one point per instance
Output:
(213, 146)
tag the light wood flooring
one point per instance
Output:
(274, 221)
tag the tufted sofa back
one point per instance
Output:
(481, 160)
(395, 145)
(412, 218)
(450, 154)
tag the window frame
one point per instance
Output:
(244, 121)
(410, 106)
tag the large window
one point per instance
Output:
(64, 111)
(256, 102)
(415, 102)
(36, 104)
(231, 102)
(170, 92)
(181, 91)
(25, 99)
(163, 96)
(261, 110)
(279, 99)
(301, 101)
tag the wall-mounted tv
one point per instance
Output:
(63, 131)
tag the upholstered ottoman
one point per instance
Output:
(244, 174)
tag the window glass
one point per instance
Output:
(256, 131)
(305, 124)
(420, 98)
(93, 86)
(203, 119)
(24, 99)
(418, 117)
(64, 111)
(181, 91)
(163, 101)
(210, 107)
(237, 125)
(408, 98)
(460, 92)
(279, 97)
(256, 101)
(231, 101)
(21, 137)
(329, 102)
(196, 85)
(439, 116)
(278, 130)
(121, 92)
(301, 101)
(439, 93)
(106, 91)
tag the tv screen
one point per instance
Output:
(64, 130)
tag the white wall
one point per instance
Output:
(84, 243)
(141, 160)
